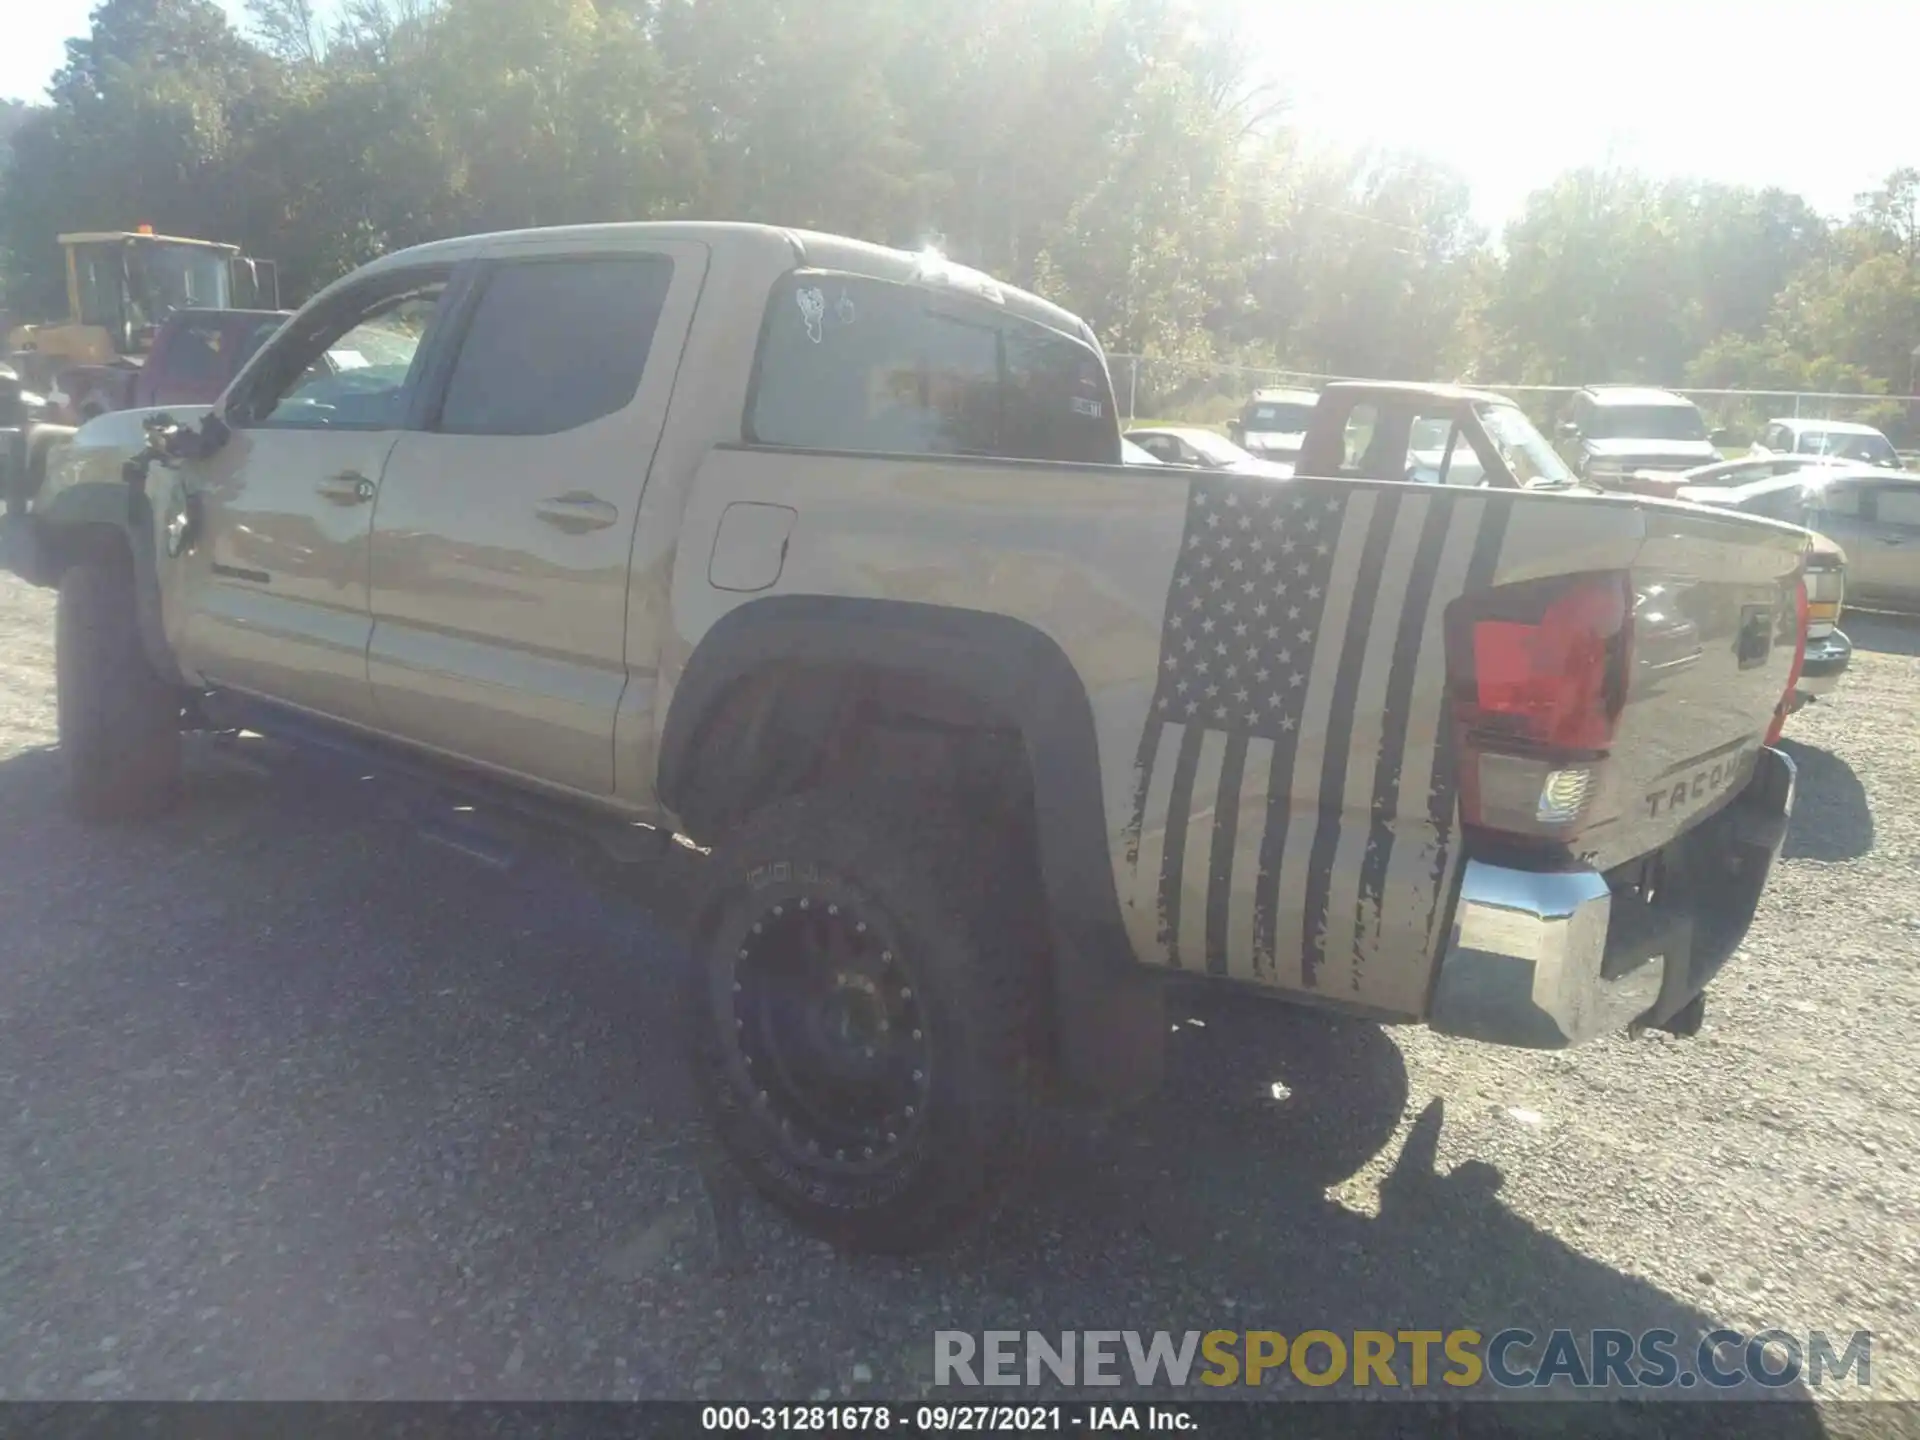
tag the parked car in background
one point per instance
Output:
(1875, 516)
(195, 353)
(1274, 424)
(1132, 454)
(26, 437)
(1747, 470)
(1618, 431)
(1190, 445)
(1800, 498)
(1835, 439)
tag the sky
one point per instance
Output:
(1813, 98)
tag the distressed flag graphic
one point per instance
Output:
(1292, 771)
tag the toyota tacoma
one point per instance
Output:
(823, 555)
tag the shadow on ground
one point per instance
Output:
(1831, 817)
(407, 1128)
(1883, 632)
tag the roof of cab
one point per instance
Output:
(805, 249)
(1831, 427)
(1417, 390)
(1633, 395)
(1285, 394)
(94, 237)
(207, 312)
(1182, 432)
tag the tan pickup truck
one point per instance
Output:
(823, 554)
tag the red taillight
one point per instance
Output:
(1550, 679)
(1538, 673)
(1799, 661)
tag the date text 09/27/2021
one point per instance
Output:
(943, 1419)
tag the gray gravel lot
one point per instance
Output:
(295, 1104)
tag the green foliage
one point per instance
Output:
(1116, 154)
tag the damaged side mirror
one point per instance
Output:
(168, 439)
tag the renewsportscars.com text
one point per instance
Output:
(1509, 1359)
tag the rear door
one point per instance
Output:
(505, 524)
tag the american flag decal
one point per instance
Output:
(1294, 796)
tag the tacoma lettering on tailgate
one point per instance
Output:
(1687, 791)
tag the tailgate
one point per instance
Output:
(1714, 631)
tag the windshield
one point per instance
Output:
(1781, 502)
(1525, 450)
(1132, 454)
(1647, 422)
(165, 278)
(389, 344)
(1216, 448)
(1867, 449)
(1285, 418)
(1429, 434)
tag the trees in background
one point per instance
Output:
(1115, 154)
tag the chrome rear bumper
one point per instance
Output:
(1541, 960)
(1826, 661)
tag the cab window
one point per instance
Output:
(348, 366)
(1897, 507)
(852, 363)
(555, 344)
(1842, 502)
(1436, 450)
(1357, 439)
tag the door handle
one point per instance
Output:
(576, 512)
(349, 487)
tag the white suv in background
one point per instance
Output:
(1616, 430)
(1834, 439)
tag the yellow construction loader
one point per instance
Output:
(121, 284)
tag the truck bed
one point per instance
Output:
(1266, 666)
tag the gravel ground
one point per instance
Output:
(296, 1104)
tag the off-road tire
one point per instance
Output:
(119, 721)
(927, 875)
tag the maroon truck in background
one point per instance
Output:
(195, 353)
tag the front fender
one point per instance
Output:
(101, 480)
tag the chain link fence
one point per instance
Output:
(1210, 394)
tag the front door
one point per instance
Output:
(275, 597)
(1884, 559)
(504, 528)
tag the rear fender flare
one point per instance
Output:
(1008, 665)
(1110, 1021)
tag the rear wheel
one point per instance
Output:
(863, 1025)
(119, 721)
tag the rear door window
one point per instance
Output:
(853, 363)
(555, 344)
(1057, 405)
